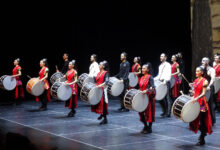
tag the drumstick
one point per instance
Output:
(184, 78)
(28, 76)
(181, 92)
(56, 67)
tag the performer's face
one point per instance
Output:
(123, 57)
(92, 58)
(145, 69)
(198, 72)
(135, 60)
(217, 59)
(71, 65)
(163, 57)
(15, 62)
(42, 64)
(173, 58)
(205, 62)
(65, 57)
(101, 66)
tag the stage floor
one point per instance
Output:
(53, 130)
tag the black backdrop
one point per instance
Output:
(103, 27)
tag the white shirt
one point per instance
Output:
(164, 72)
(94, 69)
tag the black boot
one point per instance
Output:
(100, 117)
(71, 113)
(150, 128)
(104, 121)
(201, 140)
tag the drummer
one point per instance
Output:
(146, 85)
(16, 73)
(66, 63)
(217, 71)
(136, 67)
(71, 77)
(94, 67)
(123, 77)
(101, 81)
(175, 70)
(209, 74)
(43, 75)
(164, 76)
(203, 121)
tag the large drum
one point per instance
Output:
(91, 93)
(115, 86)
(135, 100)
(55, 77)
(133, 79)
(217, 85)
(184, 109)
(7, 82)
(35, 87)
(84, 78)
(61, 91)
(161, 89)
(172, 82)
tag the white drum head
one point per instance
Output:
(133, 79)
(9, 83)
(161, 90)
(190, 111)
(217, 85)
(140, 102)
(38, 89)
(64, 92)
(172, 82)
(117, 88)
(95, 95)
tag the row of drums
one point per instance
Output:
(183, 108)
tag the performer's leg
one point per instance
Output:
(43, 100)
(202, 129)
(168, 100)
(105, 121)
(73, 111)
(163, 106)
(211, 105)
(122, 97)
(142, 118)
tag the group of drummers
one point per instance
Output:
(138, 90)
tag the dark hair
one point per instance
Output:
(45, 62)
(138, 59)
(201, 68)
(150, 68)
(125, 54)
(95, 57)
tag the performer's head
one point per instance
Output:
(16, 61)
(199, 72)
(104, 65)
(65, 56)
(217, 59)
(205, 61)
(123, 56)
(174, 58)
(147, 69)
(163, 57)
(137, 60)
(72, 64)
(43, 62)
(180, 55)
(93, 58)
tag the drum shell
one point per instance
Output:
(55, 77)
(35, 87)
(135, 100)
(84, 78)
(61, 91)
(115, 87)
(184, 109)
(91, 93)
(6, 83)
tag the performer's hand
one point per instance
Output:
(194, 100)
(208, 88)
(12, 77)
(99, 86)
(191, 84)
(57, 70)
(121, 81)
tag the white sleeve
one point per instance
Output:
(168, 72)
(96, 69)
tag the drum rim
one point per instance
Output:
(82, 90)
(91, 91)
(14, 80)
(65, 94)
